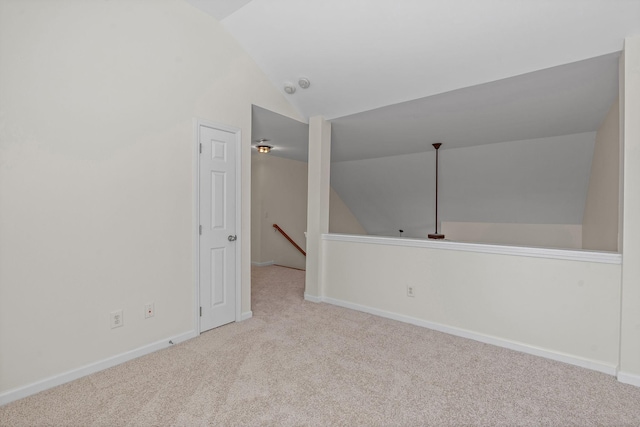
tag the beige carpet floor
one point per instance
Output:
(300, 363)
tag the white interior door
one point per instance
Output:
(217, 246)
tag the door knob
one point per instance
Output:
(232, 237)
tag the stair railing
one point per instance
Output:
(286, 236)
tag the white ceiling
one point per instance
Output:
(563, 100)
(397, 76)
(365, 54)
(288, 137)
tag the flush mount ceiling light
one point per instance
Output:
(304, 82)
(262, 146)
(289, 88)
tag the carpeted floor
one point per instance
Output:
(300, 363)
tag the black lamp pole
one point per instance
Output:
(436, 235)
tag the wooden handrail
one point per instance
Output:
(286, 236)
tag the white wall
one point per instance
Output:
(318, 197)
(279, 196)
(564, 309)
(600, 222)
(539, 181)
(97, 101)
(630, 318)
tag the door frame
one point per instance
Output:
(197, 123)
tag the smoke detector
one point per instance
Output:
(304, 82)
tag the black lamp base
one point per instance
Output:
(436, 236)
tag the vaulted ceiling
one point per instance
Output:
(365, 54)
(464, 72)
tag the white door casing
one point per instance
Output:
(218, 220)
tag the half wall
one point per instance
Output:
(564, 305)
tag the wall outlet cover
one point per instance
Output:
(149, 310)
(411, 291)
(116, 319)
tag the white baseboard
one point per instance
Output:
(263, 264)
(246, 315)
(74, 374)
(627, 378)
(312, 298)
(487, 339)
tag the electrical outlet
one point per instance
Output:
(411, 291)
(116, 319)
(149, 311)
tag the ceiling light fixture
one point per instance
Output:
(289, 88)
(304, 82)
(262, 146)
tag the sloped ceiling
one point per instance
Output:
(289, 138)
(568, 99)
(365, 54)
(395, 77)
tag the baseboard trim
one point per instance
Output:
(312, 298)
(263, 264)
(487, 339)
(74, 374)
(627, 378)
(246, 315)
